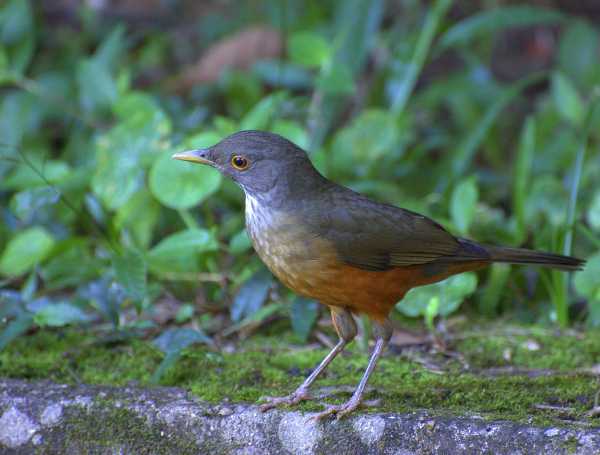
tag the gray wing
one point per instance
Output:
(374, 236)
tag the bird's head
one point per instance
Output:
(261, 163)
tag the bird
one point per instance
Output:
(351, 253)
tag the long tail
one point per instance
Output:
(523, 256)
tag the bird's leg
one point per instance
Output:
(346, 328)
(382, 332)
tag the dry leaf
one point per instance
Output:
(238, 51)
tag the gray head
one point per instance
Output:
(263, 164)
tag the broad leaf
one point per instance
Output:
(240, 242)
(179, 252)
(587, 282)
(175, 340)
(579, 46)
(251, 296)
(450, 292)
(15, 328)
(130, 272)
(463, 204)
(182, 185)
(593, 213)
(303, 315)
(25, 204)
(59, 314)
(123, 153)
(25, 250)
(308, 49)
(566, 99)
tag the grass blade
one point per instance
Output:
(487, 22)
(461, 160)
(422, 48)
(522, 171)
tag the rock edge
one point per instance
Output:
(44, 417)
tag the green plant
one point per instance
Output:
(100, 227)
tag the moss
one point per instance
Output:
(268, 366)
(114, 427)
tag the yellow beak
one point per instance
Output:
(194, 156)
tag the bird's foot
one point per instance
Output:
(339, 410)
(301, 394)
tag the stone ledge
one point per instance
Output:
(44, 417)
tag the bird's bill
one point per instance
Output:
(194, 156)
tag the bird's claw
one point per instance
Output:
(339, 410)
(289, 400)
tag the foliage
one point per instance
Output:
(99, 225)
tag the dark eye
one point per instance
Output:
(239, 162)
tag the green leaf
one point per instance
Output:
(587, 282)
(24, 177)
(450, 292)
(279, 73)
(25, 250)
(21, 56)
(292, 131)
(489, 21)
(139, 111)
(371, 135)
(179, 252)
(21, 324)
(336, 80)
(522, 171)
(172, 342)
(494, 289)
(303, 315)
(431, 311)
(181, 185)
(111, 47)
(16, 21)
(59, 314)
(130, 272)
(105, 297)
(566, 99)
(579, 46)
(251, 296)
(308, 49)
(241, 91)
(463, 204)
(128, 148)
(25, 204)
(176, 340)
(263, 112)
(71, 265)
(467, 148)
(546, 201)
(5, 75)
(139, 215)
(240, 242)
(97, 88)
(593, 213)
(255, 319)
(184, 313)
(402, 86)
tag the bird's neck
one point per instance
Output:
(289, 191)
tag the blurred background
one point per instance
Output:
(480, 114)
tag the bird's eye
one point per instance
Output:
(239, 162)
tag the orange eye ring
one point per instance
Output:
(239, 162)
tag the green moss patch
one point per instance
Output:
(500, 382)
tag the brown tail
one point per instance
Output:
(473, 251)
(543, 259)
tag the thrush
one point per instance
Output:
(351, 253)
